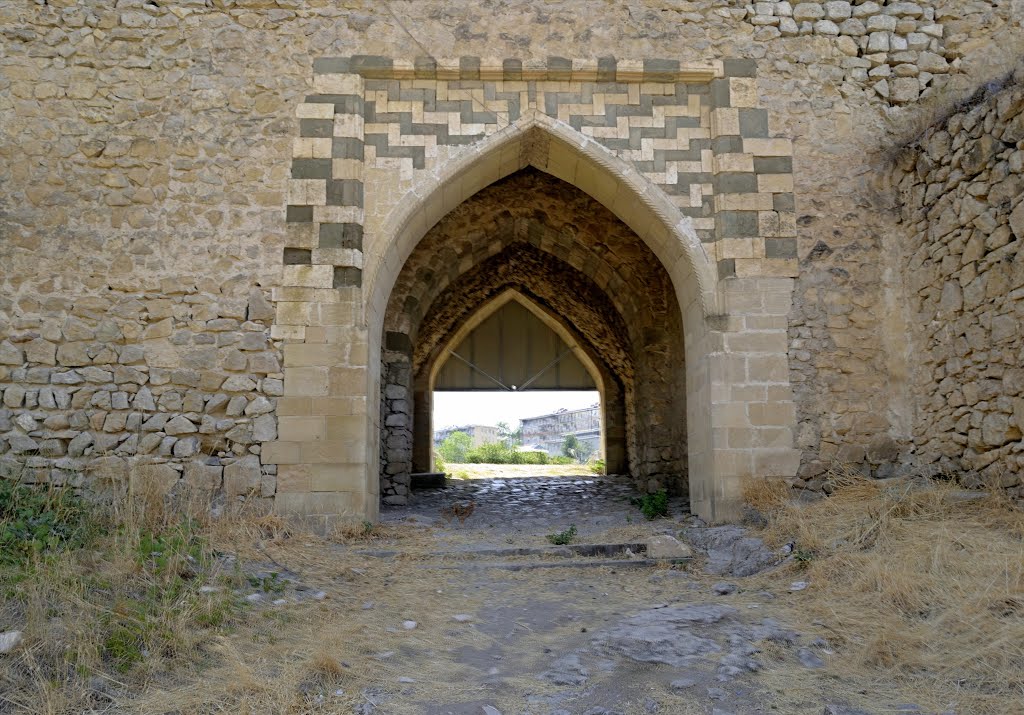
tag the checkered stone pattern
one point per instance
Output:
(753, 206)
(325, 192)
(697, 133)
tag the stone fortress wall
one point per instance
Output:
(145, 158)
(962, 196)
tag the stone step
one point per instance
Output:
(427, 480)
(529, 565)
(567, 551)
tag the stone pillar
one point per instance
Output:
(322, 436)
(744, 384)
(752, 413)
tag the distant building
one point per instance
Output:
(480, 434)
(548, 432)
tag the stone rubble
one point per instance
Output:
(10, 640)
(962, 190)
(731, 551)
(894, 52)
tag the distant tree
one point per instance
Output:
(454, 447)
(573, 448)
(509, 436)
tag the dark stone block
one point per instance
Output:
(347, 148)
(341, 235)
(727, 268)
(736, 183)
(345, 192)
(298, 214)
(469, 68)
(317, 128)
(559, 69)
(425, 67)
(311, 168)
(720, 95)
(331, 65)
(737, 224)
(740, 68)
(428, 480)
(780, 248)
(754, 122)
(399, 342)
(347, 276)
(661, 70)
(373, 66)
(783, 202)
(773, 165)
(606, 69)
(727, 145)
(512, 69)
(298, 257)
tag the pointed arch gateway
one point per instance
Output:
(613, 428)
(682, 156)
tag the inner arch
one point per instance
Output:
(544, 321)
(572, 257)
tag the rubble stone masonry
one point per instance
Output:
(962, 190)
(201, 222)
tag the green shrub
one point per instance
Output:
(577, 450)
(534, 457)
(597, 466)
(652, 505)
(499, 453)
(454, 447)
(563, 460)
(563, 537)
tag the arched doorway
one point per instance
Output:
(515, 344)
(587, 274)
(682, 156)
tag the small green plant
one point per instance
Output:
(562, 459)
(563, 537)
(271, 583)
(34, 521)
(652, 506)
(597, 466)
(123, 647)
(577, 450)
(803, 557)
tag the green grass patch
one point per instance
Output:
(652, 506)
(38, 520)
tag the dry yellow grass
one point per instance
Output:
(911, 582)
(919, 594)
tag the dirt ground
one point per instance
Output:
(461, 604)
(436, 614)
